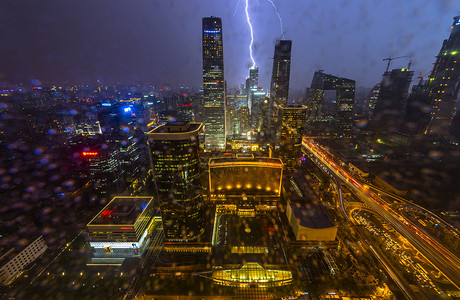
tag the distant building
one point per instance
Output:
(417, 113)
(14, 258)
(279, 86)
(373, 96)
(388, 112)
(252, 83)
(98, 161)
(214, 84)
(445, 82)
(342, 111)
(119, 230)
(311, 222)
(174, 150)
(293, 122)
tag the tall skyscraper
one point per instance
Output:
(213, 84)
(279, 86)
(252, 83)
(445, 82)
(174, 150)
(344, 98)
(388, 112)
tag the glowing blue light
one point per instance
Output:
(106, 104)
(211, 31)
(458, 22)
(127, 109)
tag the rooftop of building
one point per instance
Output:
(121, 211)
(312, 215)
(297, 187)
(293, 106)
(245, 158)
(175, 130)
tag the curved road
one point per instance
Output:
(441, 258)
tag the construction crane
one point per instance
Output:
(390, 59)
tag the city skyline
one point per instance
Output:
(110, 45)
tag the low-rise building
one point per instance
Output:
(120, 229)
(311, 222)
(15, 257)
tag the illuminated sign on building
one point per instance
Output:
(211, 31)
(89, 153)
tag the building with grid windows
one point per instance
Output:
(214, 84)
(13, 258)
(293, 122)
(174, 149)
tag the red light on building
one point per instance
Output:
(186, 105)
(126, 228)
(89, 153)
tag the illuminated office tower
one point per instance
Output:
(279, 86)
(293, 122)
(213, 84)
(174, 150)
(445, 82)
(344, 98)
(251, 86)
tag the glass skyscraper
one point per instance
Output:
(279, 86)
(213, 84)
(174, 150)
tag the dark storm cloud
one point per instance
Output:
(160, 41)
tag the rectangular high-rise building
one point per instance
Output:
(445, 82)
(252, 83)
(213, 84)
(174, 151)
(279, 86)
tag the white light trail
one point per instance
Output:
(279, 17)
(252, 35)
(236, 8)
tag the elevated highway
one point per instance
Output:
(438, 255)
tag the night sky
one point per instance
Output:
(68, 41)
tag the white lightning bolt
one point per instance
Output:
(279, 17)
(252, 35)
